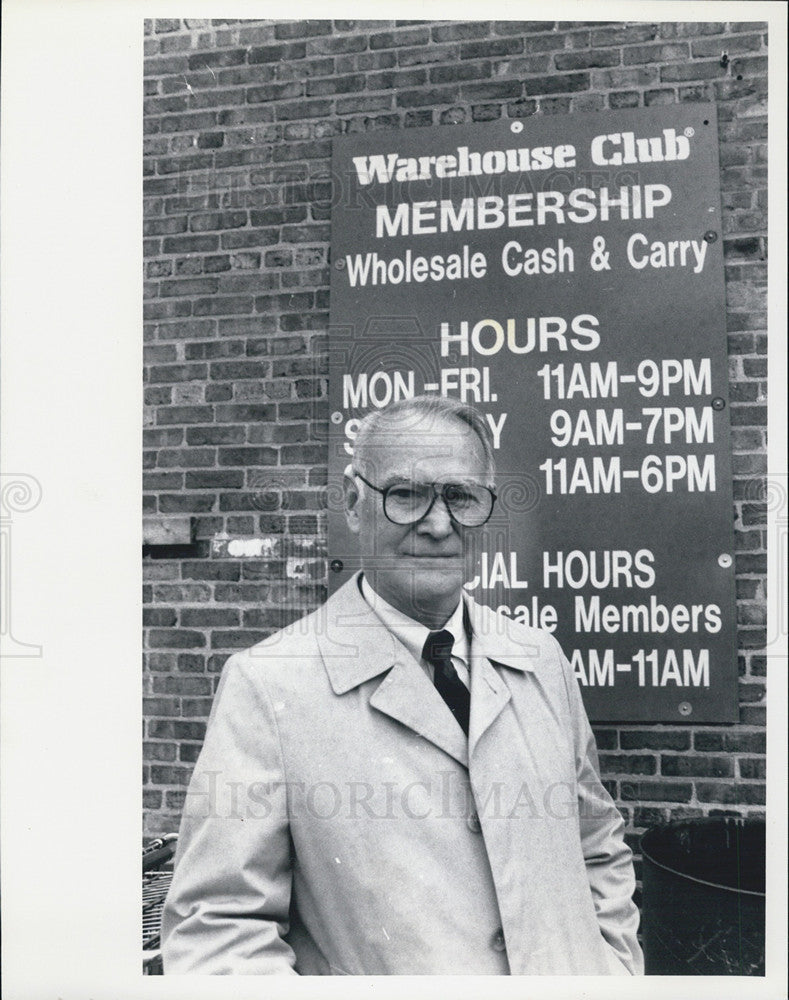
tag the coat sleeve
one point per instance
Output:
(227, 909)
(609, 861)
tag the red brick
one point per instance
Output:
(692, 70)
(336, 85)
(521, 108)
(625, 34)
(396, 39)
(606, 739)
(758, 666)
(242, 593)
(183, 414)
(214, 349)
(158, 481)
(303, 524)
(302, 29)
(303, 109)
(196, 707)
(160, 706)
(522, 27)
(624, 763)
(157, 395)
(158, 751)
(656, 791)
(420, 98)
(186, 457)
(215, 435)
(176, 638)
(173, 800)
(247, 456)
(277, 53)
(210, 570)
(557, 84)
(426, 54)
(366, 61)
(751, 693)
(177, 373)
(733, 742)
(181, 684)
(237, 639)
(587, 60)
(151, 799)
(190, 244)
(690, 29)
(494, 90)
(625, 99)
(753, 715)
(753, 767)
(555, 105)
(222, 57)
(170, 775)
(731, 793)
(460, 30)
(648, 816)
(219, 305)
(655, 739)
(494, 47)
(276, 618)
(683, 766)
(218, 393)
(659, 53)
(214, 480)
(244, 412)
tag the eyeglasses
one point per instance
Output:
(406, 502)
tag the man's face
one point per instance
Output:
(418, 568)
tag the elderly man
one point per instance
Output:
(403, 782)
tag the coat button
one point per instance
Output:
(474, 824)
(498, 941)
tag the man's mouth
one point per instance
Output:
(432, 555)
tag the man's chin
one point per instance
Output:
(422, 583)
(440, 572)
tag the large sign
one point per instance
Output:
(565, 275)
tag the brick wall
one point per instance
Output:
(239, 117)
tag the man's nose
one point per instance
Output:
(437, 521)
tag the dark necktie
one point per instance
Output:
(438, 651)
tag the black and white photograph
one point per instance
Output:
(440, 372)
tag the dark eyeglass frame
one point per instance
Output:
(438, 491)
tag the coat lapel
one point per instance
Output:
(356, 647)
(407, 695)
(492, 645)
(489, 695)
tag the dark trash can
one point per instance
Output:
(703, 898)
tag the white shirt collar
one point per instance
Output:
(412, 634)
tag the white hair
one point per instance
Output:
(423, 409)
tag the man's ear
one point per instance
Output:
(351, 499)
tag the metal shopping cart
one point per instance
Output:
(157, 874)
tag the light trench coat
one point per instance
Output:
(339, 822)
